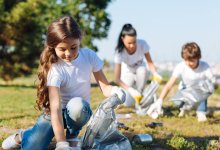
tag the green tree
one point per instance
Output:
(23, 25)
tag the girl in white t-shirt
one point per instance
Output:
(130, 68)
(64, 89)
(191, 72)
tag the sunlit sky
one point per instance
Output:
(166, 26)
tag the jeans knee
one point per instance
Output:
(77, 108)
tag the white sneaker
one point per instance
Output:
(183, 113)
(10, 143)
(201, 116)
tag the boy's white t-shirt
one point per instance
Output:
(190, 76)
(131, 62)
(74, 78)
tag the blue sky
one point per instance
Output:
(166, 26)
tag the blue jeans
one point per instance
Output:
(75, 116)
(202, 106)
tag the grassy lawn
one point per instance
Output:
(17, 100)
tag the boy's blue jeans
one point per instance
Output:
(202, 107)
(75, 116)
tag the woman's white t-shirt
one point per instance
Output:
(131, 62)
(74, 78)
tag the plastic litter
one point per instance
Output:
(122, 126)
(142, 139)
(123, 116)
(154, 124)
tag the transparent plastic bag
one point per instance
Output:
(149, 97)
(101, 132)
(194, 94)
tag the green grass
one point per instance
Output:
(17, 100)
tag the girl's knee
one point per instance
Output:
(76, 102)
(76, 108)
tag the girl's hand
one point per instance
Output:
(63, 146)
(119, 92)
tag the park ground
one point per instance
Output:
(17, 101)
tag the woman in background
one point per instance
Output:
(130, 69)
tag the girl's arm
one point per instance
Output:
(106, 88)
(56, 113)
(103, 83)
(117, 74)
(150, 63)
(167, 87)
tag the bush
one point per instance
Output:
(213, 145)
(181, 143)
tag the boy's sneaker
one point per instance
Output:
(10, 143)
(201, 116)
(183, 113)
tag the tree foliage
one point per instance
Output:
(23, 25)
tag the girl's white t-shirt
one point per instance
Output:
(130, 62)
(74, 78)
(190, 76)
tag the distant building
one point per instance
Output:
(168, 67)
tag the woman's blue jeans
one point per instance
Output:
(75, 116)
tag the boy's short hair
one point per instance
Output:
(191, 51)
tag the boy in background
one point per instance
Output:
(191, 71)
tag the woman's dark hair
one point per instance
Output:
(127, 29)
(59, 30)
(191, 51)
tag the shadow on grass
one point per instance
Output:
(34, 86)
(213, 108)
(216, 121)
(18, 86)
(94, 84)
(170, 111)
(15, 117)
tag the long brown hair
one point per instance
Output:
(65, 27)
